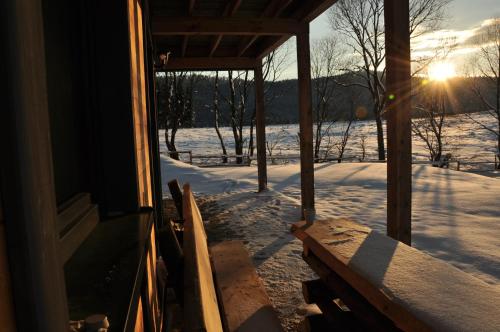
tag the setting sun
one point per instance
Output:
(441, 71)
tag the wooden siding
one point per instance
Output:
(139, 106)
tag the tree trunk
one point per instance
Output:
(251, 147)
(216, 118)
(498, 108)
(171, 144)
(317, 143)
(234, 109)
(380, 135)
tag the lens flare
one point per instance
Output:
(441, 71)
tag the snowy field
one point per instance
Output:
(465, 140)
(455, 216)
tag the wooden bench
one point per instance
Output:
(388, 285)
(222, 291)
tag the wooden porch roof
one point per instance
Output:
(227, 34)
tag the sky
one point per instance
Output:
(465, 19)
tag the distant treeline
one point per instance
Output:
(283, 109)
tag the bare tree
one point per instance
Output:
(361, 23)
(429, 117)
(430, 99)
(273, 140)
(487, 71)
(362, 145)
(216, 112)
(238, 93)
(273, 67)
(175, 95)
(328, 60)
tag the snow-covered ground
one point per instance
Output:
(455, 216)
(465, 140)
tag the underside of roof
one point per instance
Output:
(223, 34)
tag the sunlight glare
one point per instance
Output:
(441, 71)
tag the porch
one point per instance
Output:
(81, 136)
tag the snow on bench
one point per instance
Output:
(231, 297)
(416, 291)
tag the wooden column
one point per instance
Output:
(26, 176)
(398, 85)
(306, 123)
(260, 127)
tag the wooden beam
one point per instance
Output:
(206, 63)
(260, 127)
(166, 26)
(273, 9)
(306, 124)
(398, 78)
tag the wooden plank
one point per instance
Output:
(201, 311)
(398, 115)
(244, 302)
(206, 63)
(305, 123)
(416, 291)
(260, 127)
(70, 242)
(165, 26)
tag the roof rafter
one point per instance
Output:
(231, 8)
(310, 10)
(185, 40)
(165, 26)
(273, 9)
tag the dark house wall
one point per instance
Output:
(92, 125)
(62, 43)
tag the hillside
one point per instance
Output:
(283, 108)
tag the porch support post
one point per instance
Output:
(398, 86)
(306, 124)
(260, 126)
(26, 175)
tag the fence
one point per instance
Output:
(246, 160)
